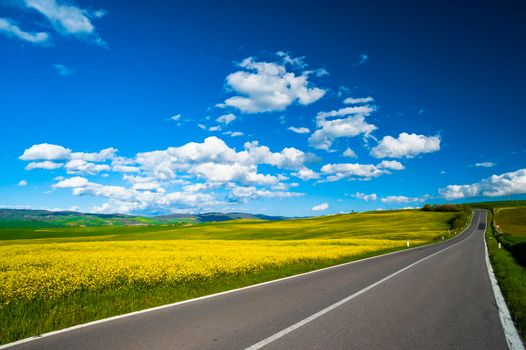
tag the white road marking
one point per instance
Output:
(512, 336)
(311, 318)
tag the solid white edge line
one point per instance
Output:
(303, 322)
(204, 297)
(513, 340)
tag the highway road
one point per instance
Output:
(432, 297)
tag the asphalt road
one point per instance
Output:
(444, 301)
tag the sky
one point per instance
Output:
(289, 108)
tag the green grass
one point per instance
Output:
(510, 275)
(23, 319)
(512, 221)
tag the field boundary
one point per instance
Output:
(204, 297)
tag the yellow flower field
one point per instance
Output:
(55, 270)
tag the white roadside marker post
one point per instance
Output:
(500, 245)
(407, 243)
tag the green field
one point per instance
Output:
(55, 277)
(511, 275)
(512, 221)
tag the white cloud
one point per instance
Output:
(22, 183)
(72, 182)
(214, 128)
(45, 151)
(159, 172)
(125, 169)
(268, 86)
(64, 70)
(299, 130)
(406, 146)
(48, 165)
(68, 19)
(402, 199)
(495, 186)
(349, 122)
(391, 164)
(244, 193)
(365, 197)
(485, 164)
(142, 196)
(11, 29)
(176, 117)
(80, 166)
(223, 173)
(306, 174)
(233, 133)
(105, 154)
(320, 207)
(356, 171)
(349, 153)
(359, 100)
(226, 118)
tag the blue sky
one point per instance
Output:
(297, 108)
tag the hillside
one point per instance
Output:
(44, 218)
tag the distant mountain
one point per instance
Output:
(216, 216)
(46, 218)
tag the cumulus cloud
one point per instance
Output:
(125, 169)
(349, 153)
(391, 164)
(226, 118)
(79, 166)
(269, 86)
(142, 195)
(245, 193)
(48, 165)
(299, 130)
(223, 173)
(485, 165)
(405, 146)
(356, 171)
(495, 186)
(365, 197)
(152, 176)
(22, 183)
(321, 207)
(68, 19)
(45, 151)
(72, 182)
(102, 155)
(306, 174)
(10, 29)
(176, 117)
(344, 122)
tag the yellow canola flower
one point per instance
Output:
(55, 270)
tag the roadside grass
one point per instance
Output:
(510, 275)
(125, 269)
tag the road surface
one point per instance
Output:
(425, 298)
